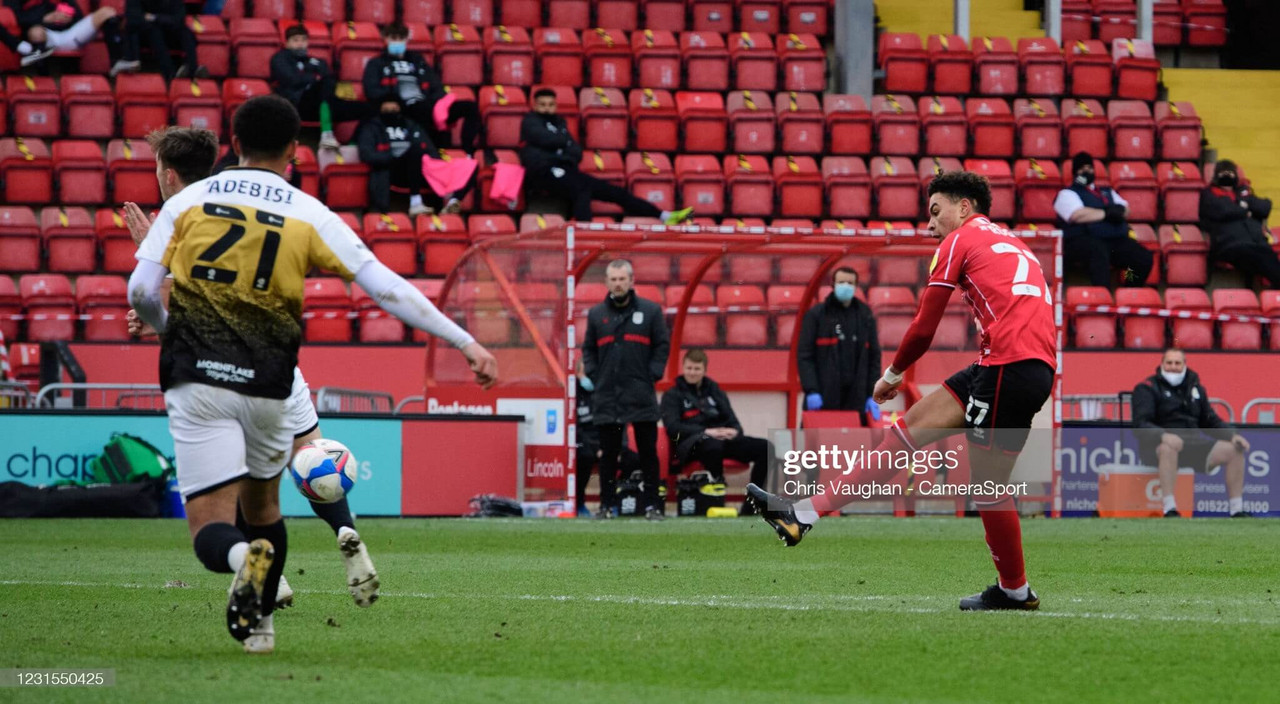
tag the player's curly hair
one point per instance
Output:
(265, 125)
(964, 184)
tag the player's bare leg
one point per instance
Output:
(1231, 458)
(1003, 530)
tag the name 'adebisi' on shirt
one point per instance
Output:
(253, 189)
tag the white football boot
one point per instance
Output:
(262, 639)
(284, 594)
(362, 578)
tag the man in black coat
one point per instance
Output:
(163, 25)
(393, 146)
(1176, 427)
(624, 353)
(1095, 232)
(703, 427)
(309, 84)
(1235, 219)
(589, 443)
(839, 351)
(550, 156)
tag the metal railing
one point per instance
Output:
(1267, 417)
(409, 400)
(1117, 407)
(331, 399)
(127, 395)
(15, 394)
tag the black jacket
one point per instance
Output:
(169, 13)
(624, 353)
(687, 412)
(382, 78)
(1229, 225)
(1159, 406)
(30, 13)
(545, 142)
(378, 140)
(292, 77)
(839, 347)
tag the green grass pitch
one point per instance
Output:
(683, 611)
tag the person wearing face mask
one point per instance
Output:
(1094, 230)
(1236, 221)
(589, 443)
(839, 351)
(393, 146)
(1176, 427)
(308, 83)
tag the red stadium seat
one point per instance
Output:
(929, 167)
(704, 121)
(894, 306)
(750, 269)
(897, 271)
(19, 240)
(343, 178)
(427, 12)
(89, 105)
(392, 239)
(105, 302)
(953, 329)
(784, 302)
(304, 162)
(536, 222)
(1043, 67)
(1039, 128)
(482, 226)
(651, 177)
(35, 106)
(1090, 66)
(253, 41)
(50, 307)
(1038, 186)
(485, 182)
(486, 315)
(10, 309)
(443, 239)
(459, 54)
(1190, 334)
(559, 55)
(1271, 309)
(617, 14)
(70, 245)
(905, 63)
(665, 14)
(848, 123)
(848, 186)
(1206, 22)
(706, 60)
(608, 56)
(196, 103)
(754, 60)
(502, 110)
(1179, 131)
(114, 240)
(1003, 187)
(1137, 69)
(997, 66)
(1086, 127)
(575, 14)
(376, 325)
(213, 44)
(946, 129)
(378, 12)
(701, 183)
(1141, 332)
(951, 64)
(752, 117)
(605, 119)
(476, 13)
(657, 57)
(759, 15)
(896, 187)
(1077, 17)
(1132, 130)
(509, 53)
(606, 166)
(800, 123)
(652, 268)
(654, 120)
(131, 170)
(800, 186)
(1145, 235)
(992, 126)
(330, 11)
(807, 16)
(1186, 254)
(1135, 182)
(1092, 330)
(80, 171)
(743, 328)
(354, 43)
(26, 170)
(275, 9)
(325, 307)
(803, 62)
(1180, 185)
(750, 183)
(1117, 20)
(1238, 335)
(700, 329)
(897, 124)
(235, 91)
(1166, 23)
(143, 102)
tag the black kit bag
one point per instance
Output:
(697, 493)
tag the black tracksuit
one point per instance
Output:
(416, 85)
(589, 447)
(688, 411)
(1100, 246)
(1233, 219)
(307, 82)
(166, 28)
(624, 354)
(550, 156)
(839, 354)
(393, 147)
(1159, 407)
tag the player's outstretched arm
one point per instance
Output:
(146, 293)
(399, 298)
(916, 341)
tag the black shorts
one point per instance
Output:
(1195, 451)
(999, 402)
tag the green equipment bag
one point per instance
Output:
(128, 458)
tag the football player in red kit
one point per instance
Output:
(994, 399)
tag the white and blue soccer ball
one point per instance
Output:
(324, 470)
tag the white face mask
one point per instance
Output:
(1174, 379)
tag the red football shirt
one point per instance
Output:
(1004, 285)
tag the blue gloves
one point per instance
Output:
(586, 383)
(813, 402)
(873, 409)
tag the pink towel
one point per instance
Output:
(508, 180)
(445, 177)
(441, 111)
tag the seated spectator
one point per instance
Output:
(550, 156)
(309, 83)
(1095, 233)
(1176, 427)
(703, 428)
(393, 146)
(1235, 220)
(403, 75)
(163, 23)
(589, 445)
(46, 26)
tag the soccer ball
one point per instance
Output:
(324, 470)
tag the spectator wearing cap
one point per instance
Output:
(1236, 220)
(1095, 230)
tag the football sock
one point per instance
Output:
(336, 514)
(1004, 538)
(1170, 503)
(898, 439)
(279, 539)
(220, 547)
(1235, 505)
(804, 511)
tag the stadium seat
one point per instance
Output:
(1135, 182)
(1038, 186)
(743, 328)
(275, 9)
(103, 301)
(19, 240)
(654, 120)
(896, 187)
(953, 329)
(80, 171)
(1092, 330)
(1086, 127)
(459, 54)
(376, 325)
(617, 14)
(502, 109)
(848, 186)
(575, 14)
(392, 239)
(378, 12)
(143, 102)
(848, 124)
(26, 170)
(800, 123)
(759, 15)
(606, 166)
(1190, 334)
(897, 125)
(89, 106)
(486, 314)
(784, 302)
(1003, 187)
(754, 60)
(897, 271)
(476, 13)
(904, 61)
(196, 103)
(10, 309)
(1140, 331)
(1137, 69)
(1166, 23)
(1179, 131)
(800, 186)
(929, 167)
(997, 66)
(69, 242)
(344, 180)
(750, 184)
(50, 307)
(700, 329)
(1145, 235)
(235, 91)
(1077, 18)
(651, 177)
(253, 42)
(687, 265)
(991, 123)
(354, 43)
(1206, 22)
(113, 237)
(1039, 128)
(803, 62)
(559, 55)
(304, 162)
(946, 129)
(34, 103)
(430, 13)
(750, 269)
(706, 61)
(1271, 309)
(604, 118)
(1090, 66)
(1043, 67)
(1117, 20)
(951, 64)
(509, 54)
(1185, 252)
(329, 11)
(1133, 132)
(1180, 185)
(131, 171)
(442, 239)
(651, 269)
(704, 121)
(753, 122)
(213, 43)
(608, 56)
(712, 15)
(483, 226)
(1237, 335)
(657, 58)
(894, 307)
(536, 222)
(325, 306)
